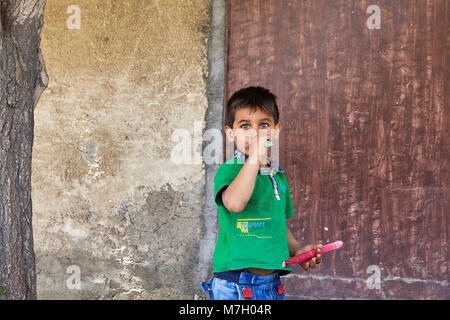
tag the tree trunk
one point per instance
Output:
(22, 80)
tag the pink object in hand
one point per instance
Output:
(305, 256)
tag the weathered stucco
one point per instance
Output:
(106, 196)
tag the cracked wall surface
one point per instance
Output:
(106, 196)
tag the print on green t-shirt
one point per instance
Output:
(257, 236)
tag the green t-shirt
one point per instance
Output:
(256, 237)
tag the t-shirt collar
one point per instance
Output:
(274, 166)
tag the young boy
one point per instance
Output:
(253, 201)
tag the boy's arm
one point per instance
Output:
(296, 248)
(293, 244)
(237, 194)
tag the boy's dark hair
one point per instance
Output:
(255, 98)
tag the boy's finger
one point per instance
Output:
(312, 263)
(306, 248)
(318, 258)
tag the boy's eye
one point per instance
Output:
(265, 124)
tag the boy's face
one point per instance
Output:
(247, 124)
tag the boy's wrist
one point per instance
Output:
(253, 160)
(293, 250)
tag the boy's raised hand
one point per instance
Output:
(258, 150)
(314, 261)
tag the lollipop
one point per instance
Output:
(305, 256)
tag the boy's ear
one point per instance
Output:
(229, 133)
(277, 130)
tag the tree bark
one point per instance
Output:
(23, 78)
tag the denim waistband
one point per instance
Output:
(251, 278)
(246, 277)
(232, 275)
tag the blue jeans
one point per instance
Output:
(250, 287)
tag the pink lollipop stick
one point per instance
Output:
(305, 256)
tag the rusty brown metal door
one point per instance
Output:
(363, 92)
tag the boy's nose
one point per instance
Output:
(261, 132)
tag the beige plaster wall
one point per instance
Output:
(107, 199)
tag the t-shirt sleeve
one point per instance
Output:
(224, 176)
(289, 206)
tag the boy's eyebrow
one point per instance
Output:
(245, 120)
